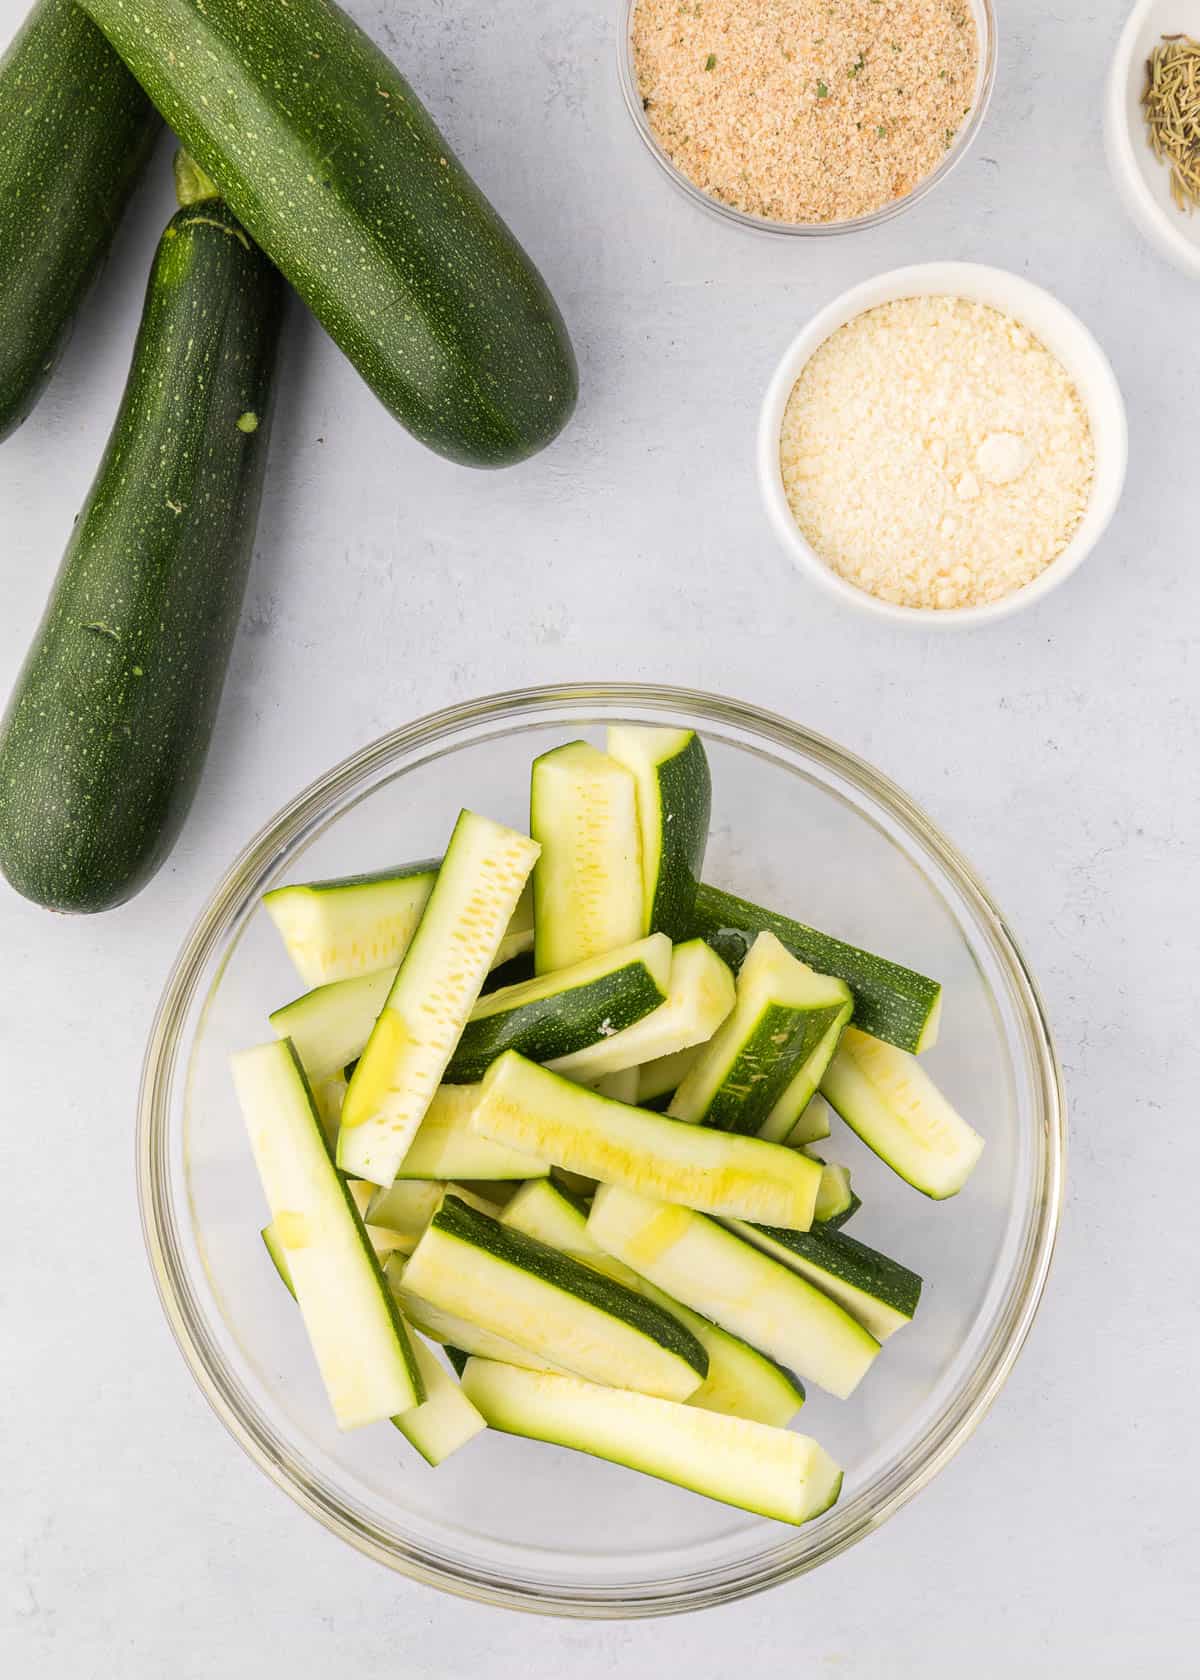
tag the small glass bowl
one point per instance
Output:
(798, 823)
(985, 23)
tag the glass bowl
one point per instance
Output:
(985, 23)
(797, 823)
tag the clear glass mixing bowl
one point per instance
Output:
(984, 14)
(797, 823)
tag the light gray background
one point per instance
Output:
(1059, 750)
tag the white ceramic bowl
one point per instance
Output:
(1144, 184)
(1059, 330)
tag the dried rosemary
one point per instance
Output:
(1172, 106)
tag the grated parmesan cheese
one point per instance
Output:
(935, 454)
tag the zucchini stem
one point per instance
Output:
(192, 185)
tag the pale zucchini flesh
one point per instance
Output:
(836, 1201)
(275, 1249)
(879, 1292)
(886, 1096)
(700, 995)
(813, 1124)
(772, 1472)
(357, 1335)
(551, 1214)
(555, 1014)
(447, 1145)
(335, 929)
(329, 1095)
(527, 1107)
(587, 885)
(782, 1013)
(663, 1076)
(892, 1002)
(405, 1207)
(728, 1280)
(621, 1087)
(741, 1381)
(529, 1293)
(330, 1025)
(674, 803)
(382, 1238)
(441, 1423)
(458, 1334)
(480, 880)
(445, 1420)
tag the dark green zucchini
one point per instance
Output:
(880, 1293)
(674, 800)
(509, 973)
(890, 1002)
(557, 1014)
(107, 730)
(457, 1358)
(336, 169)
(75, 131)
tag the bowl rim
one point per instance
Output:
(1150, 217)
(1047, 316)
(963, 141)
(166, 1057)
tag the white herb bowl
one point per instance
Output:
(1063, 334)
(1142, 181)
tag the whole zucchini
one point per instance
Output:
(336, 169)
(75, 131)
(109, 724)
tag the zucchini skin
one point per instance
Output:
(890, 1002)
(765, 1064)
(457, 1358)
(75, 133)
(549, 1265)
(555, 1025)
(338, 172)
(109, 724)
(846, 1258)
(686, 792)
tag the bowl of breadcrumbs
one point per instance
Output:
(942, 445)
(808, 116)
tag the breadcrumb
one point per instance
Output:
(805, 110)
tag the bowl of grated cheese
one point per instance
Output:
(942, 445)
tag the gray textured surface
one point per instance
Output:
(1059, 750)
